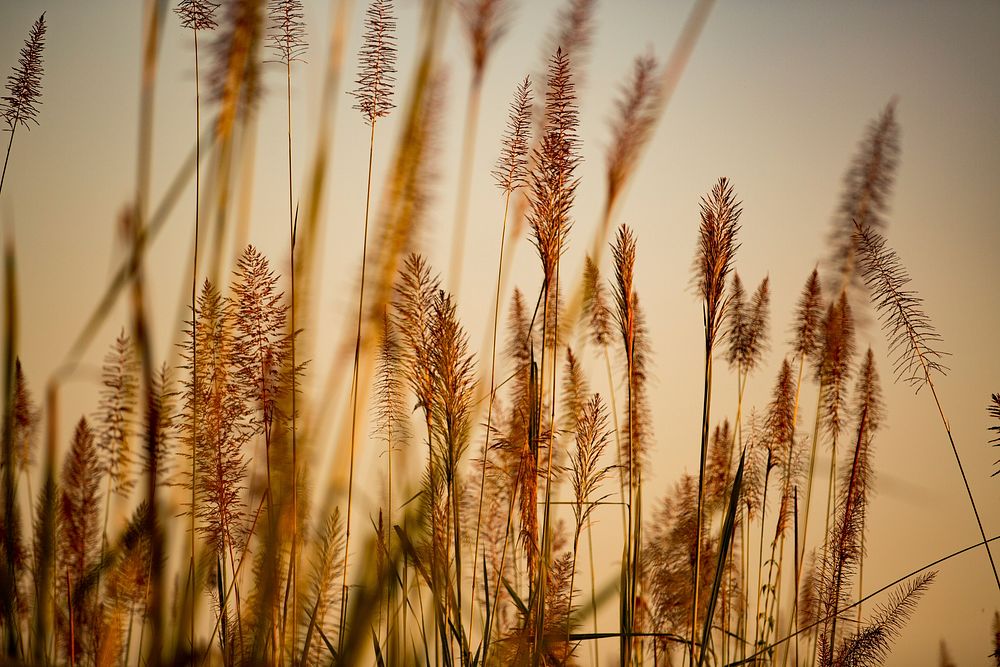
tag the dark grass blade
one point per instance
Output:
(728, 529)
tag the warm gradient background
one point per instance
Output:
(775, 96)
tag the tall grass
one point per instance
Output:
(474, 555)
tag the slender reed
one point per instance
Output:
(24, 88)
(717, 245)
(911, 336)
(195, 15)
(373, 98)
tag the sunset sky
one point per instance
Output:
(775, 96)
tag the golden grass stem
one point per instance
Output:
(355, 390)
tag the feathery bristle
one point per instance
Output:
(780, 423)
(377, 63)
(553, 183)
(221, 467)
(162, 408)
(808, 594)
(808, 311)
(747, 331)
(623, 257)
(636, 111)
(261, 343)
(595, 305)
(736, 317)
(575, 391)
(453, 369)
(717, 245)
(637, 433)
(79, 529)
(720, 456)
(485, 23)
(324, 592)
(871, 644)
(592, 437)
(197, 14)
(26, 418)
(865, 201)
(24, 84)
(511, 170)
(833, 363)
(868, 393)
(288, 30)
(390, 413)
(416, 291)
(911, 335)
(120, 386)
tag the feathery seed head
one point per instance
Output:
(511, 171)
(595, 305)
(636, 111)
(910, 333)
(865, 200)
(717, 245)
(24, 84)
(288, 30)
(553, 183)
(376, 63)
(197, 14)
(807, 317)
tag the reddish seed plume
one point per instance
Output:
(636, 111)
(865, 201)
(377, 63)
(592, 436)
(717, 245)
(720, 456)
(24, 85)
(595, 305)
(623, 258)
(26, 418)
(287, 29)
(553, 180)
(747, 331)
(261, 343)
(872, 643)
(511, 171)
(116, 413)
(833, 363)
(390, 410)
(808, 314)
(197, 14)
(575, 391)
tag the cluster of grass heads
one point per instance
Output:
(230, 556)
